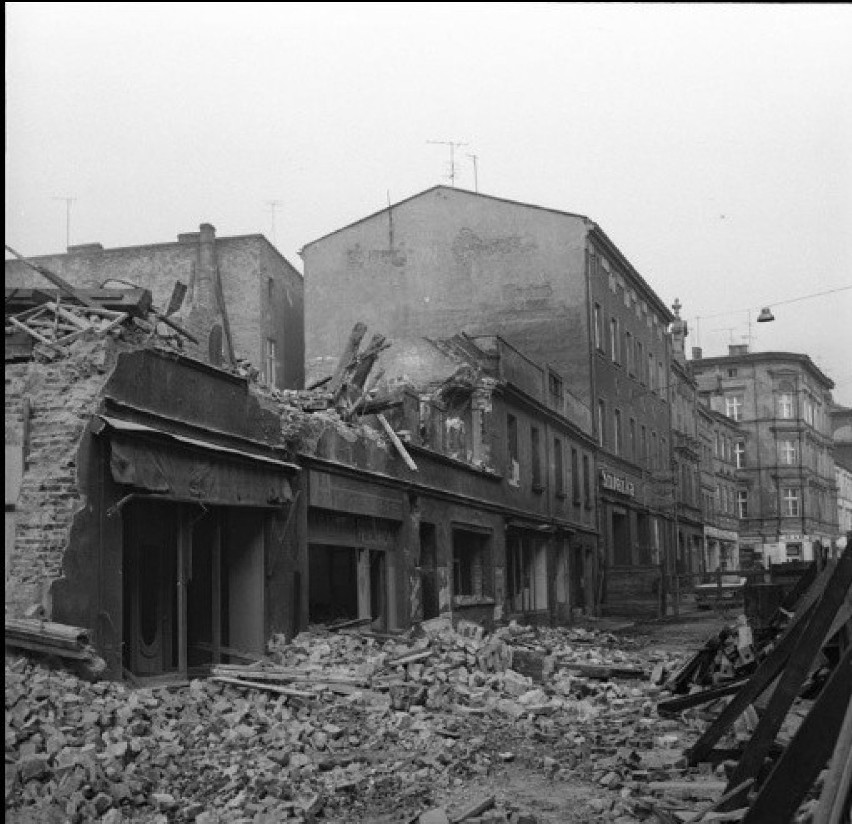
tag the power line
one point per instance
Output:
(68, 202)
(773, 303)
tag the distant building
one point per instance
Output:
(841, 424)
(262, 291)
(551, 284)
(786, 491)
(722, 505)
(686, 454)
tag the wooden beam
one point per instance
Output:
(806, 755)
(837, 786)
(349, 352)
(57, 281)
(762, 677)
(673, 706)
(811, 641)
(400, 447)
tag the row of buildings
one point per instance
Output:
(563, 453)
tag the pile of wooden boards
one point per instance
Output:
(769, 781)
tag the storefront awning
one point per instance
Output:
(194, 469)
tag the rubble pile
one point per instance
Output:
(351, 725)
(365, 724)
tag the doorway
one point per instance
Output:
(193, 587)
(429, 571)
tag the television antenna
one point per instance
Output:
(273, 206)
(68, 202)
(453, 144)
(475, 158)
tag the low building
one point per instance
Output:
(498, 519)
(263, 292)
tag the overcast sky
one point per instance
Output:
(713, 143)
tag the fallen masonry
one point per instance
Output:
(352, 726)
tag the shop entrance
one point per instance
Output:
(193, 587)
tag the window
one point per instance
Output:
(599, 344)
(616, 431)
(514, 466)
(664, 452)
(716, 440)
(628, 351)
(789, 452)
(554, 383)
(535, 450)
(633, 438)
(601, 423)
(734, 407)
(653, 448)
(785, 405)
(575, 475)
(271, 362)
(472, 575)
(793, 552)
(739, 451)
(270, 289)
(587, 482)
(644, 444)
(791, 502)
(732, 373)
(742, 503)
(613, 340)
(558, 468)
(640, 361)
(661, 379)
(651, 374)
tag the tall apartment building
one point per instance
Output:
(786, 494)
(553, 285)
(685, 476)
(262, 291)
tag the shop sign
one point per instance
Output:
(610, 480)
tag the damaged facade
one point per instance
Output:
(184, 514)
(552, 284)
(498, 518)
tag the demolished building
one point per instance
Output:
(183, 513)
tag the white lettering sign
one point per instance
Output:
(617, 484)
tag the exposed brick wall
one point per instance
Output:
(63, 395)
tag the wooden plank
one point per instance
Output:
(736, 794)
(806, 755)
(477, 808)
(400, 447)
(135, 300)
(259, 685)
(672, 706)
(808, 647)
(762, 677)
(55, 279)
(31, 332)
(346, 357)
(837, 786)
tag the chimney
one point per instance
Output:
(679, 332)
(736, 350)
(697, 353)
(204, 318)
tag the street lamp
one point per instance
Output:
(765, 315)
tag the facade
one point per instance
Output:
(497, 520)
(263, 292)
(787, 491)
(552, 285)
(722, 504)
(152, 508)
(686, 457)
(841, 425)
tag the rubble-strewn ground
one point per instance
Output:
(436, 734)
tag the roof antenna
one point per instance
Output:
(453, 144)
(474, 158)
(273, 206)
(68, 202)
